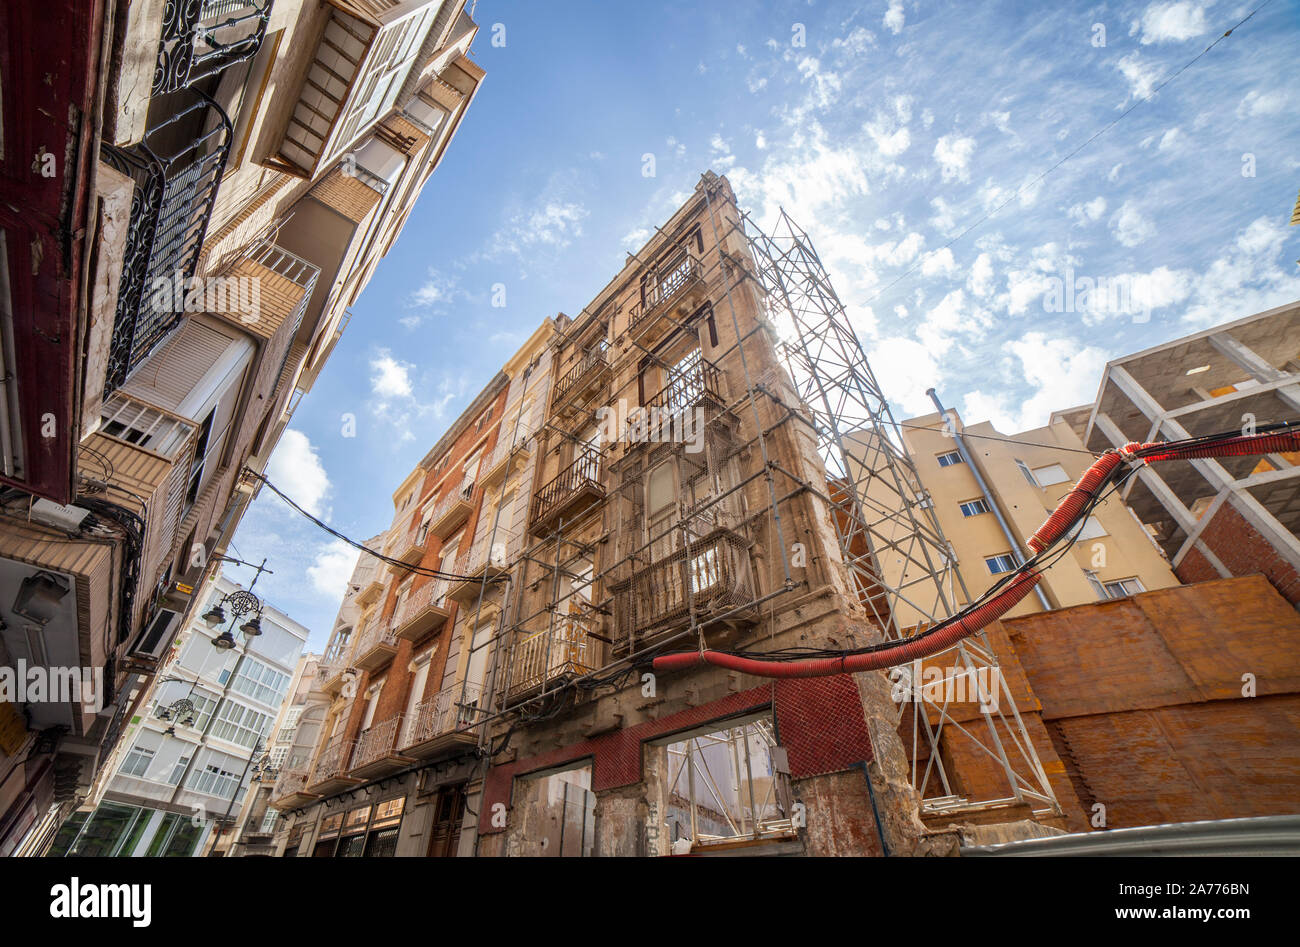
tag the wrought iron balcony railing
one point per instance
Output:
(376, 646)
(452, 510)
(377, 742)
(581, 477)
(594, 360)
(700, 383)
(663, 285)
(332, 762)
(567, 648)
(176, 187)
(290, 783)
(713, 576)
(423, 609)
(202, 37)
(451, 709)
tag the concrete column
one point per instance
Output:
(1256, 367)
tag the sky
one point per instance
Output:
(941, 157)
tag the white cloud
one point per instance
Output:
(903, 252)
(904, 369)
(1062, 372)
(950, 318)
(1130, 227)
(1141, 77)
(939, 263)
(1089, 212)
(552, 224)
(636, 238)
(1170, 139)
(943, 218)
(332, 567)
(1261, 103)
(296, 469)
(890, 141)
(1171, 22)
(894, 17)
(980, 281)
(437, 289)
(857, 42)
(825, 84)
(953, 154)
(389, 377)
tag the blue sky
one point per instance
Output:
(890, 131)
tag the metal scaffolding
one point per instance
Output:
(880, 512)
(871, 488)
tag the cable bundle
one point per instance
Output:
(1107, 474)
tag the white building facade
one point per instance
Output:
(184, 765)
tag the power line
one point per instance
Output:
(418, 570)
(1016, 194)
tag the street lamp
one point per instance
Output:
(241, 602)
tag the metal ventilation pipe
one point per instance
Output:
(1016, 546)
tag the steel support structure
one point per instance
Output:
(881, 513)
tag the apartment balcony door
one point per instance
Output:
(413, 701)
(448, 814)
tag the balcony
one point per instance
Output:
(353, 78)
(376, 646)
(712, 579)
(699, 385)
(573, 492)
(373, 590)
(506, 458)
(551, 656)
(486, 561)
(411, 544)
(199, 39)
(376, 753)
(670, 291)
(321, 680)
(291, 790)
(285, 284)
(422, 611)
(591, 372)
(442, 722)
(330, 774)
(452, 510)
(176, 168)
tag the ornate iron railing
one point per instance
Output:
(713, 576)
(202, 37)
(333, 760)
(582, 473)
(596, 358)
(290, 783)
(568, 648)
(462, 494)
(377, 741)
(664, 283)
(170, 210)
(431, 594)
(452, 708)
(377, 633)
(698, 383)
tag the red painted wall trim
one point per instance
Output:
(819, 722)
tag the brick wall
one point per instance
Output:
(1243, 551)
